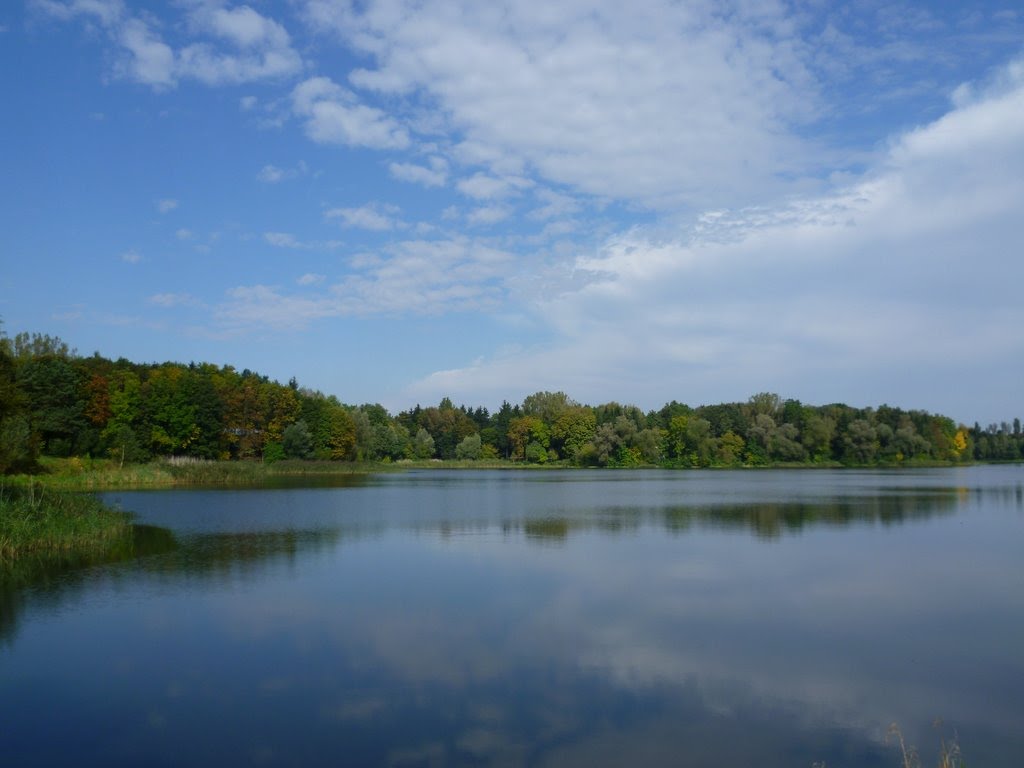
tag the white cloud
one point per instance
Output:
(247, 103)
(166, 205)
(488, 214)
(105, 11)
(311, 278)
(264, 306)
(271, 174)
(373, 216)
(171, 300)
(660, 102)
(426, 277)
(287, 240)
(882, 291)
(282, 240)
(404, 278)
(206, 63)
(554, 204)
(334, 115)
(434, 176)
(259, 48)
(131, 257)
(242, 45)
(184, 234)
(243, 26)
(149, 60)
(558, 229)
(484, 187)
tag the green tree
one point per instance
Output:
(729, 450)
(499, 424)
(18, 448)
(273, 451)
(817, 436)
(572, 430)
(168, 412)
(907, 444)
(341, 440)
(280, 406)
(120, 436)
(766, 404)
(614, 444)
(784, 443)
(390, 441)
(296, 441)
(759, 436)
(364, 435)
(469, 448)
(448, 426)
(726, 417)
(198, 390)
(547, 406)
(700, 444)
(524, 430)
(423, 444)
(648, 443)
(690, 441)
(860, 442)
(51, 388)
(535, 453)
(34, 346)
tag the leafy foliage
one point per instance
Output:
(54, 403)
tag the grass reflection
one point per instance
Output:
(55, 575)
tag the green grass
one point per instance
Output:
(87, 474)
(84, 474)
(40, 521)
(97, 474)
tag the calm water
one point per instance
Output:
(776, 618)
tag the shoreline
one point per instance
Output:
(86, 475)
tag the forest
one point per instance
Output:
(54, 402)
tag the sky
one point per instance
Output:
(396, 201)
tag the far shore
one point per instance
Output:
(78, 474)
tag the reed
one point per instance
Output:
(37, 520)
(950, 755)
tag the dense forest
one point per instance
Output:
(54, 402)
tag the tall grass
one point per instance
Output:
(949, 750)
(35, 520)
(78, 474)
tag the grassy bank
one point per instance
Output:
(76, 474)
(39, 521)
(85, 474)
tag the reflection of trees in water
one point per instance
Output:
(47, 579)
(46, 582)
(155, 551)
(222, 555)
(1008, 496)
(767, 520)
(773, 520)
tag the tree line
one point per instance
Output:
(54, 402)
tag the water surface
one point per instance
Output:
(777, 618)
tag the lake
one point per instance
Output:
(547, 618)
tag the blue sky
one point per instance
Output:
(397, 201)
